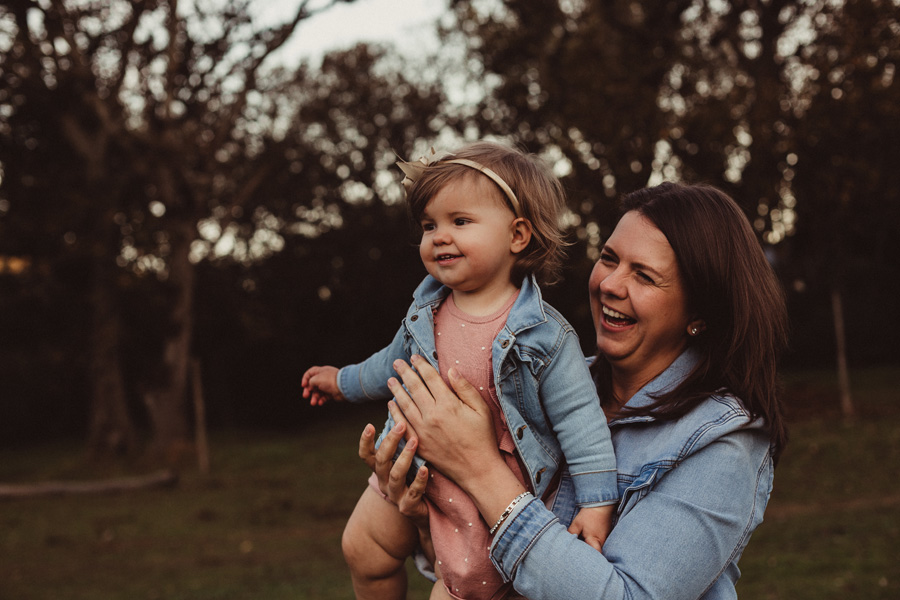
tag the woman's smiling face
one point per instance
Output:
(638, 300)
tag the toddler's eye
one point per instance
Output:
(460, 221)
(427, 226)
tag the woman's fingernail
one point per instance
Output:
(414, 358)
(411, 445)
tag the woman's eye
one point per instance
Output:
(645, 278)
(607, 258)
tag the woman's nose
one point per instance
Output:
(612, 283)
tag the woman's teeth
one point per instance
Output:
(616, 315)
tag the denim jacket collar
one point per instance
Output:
(674, 374)
(526, 312)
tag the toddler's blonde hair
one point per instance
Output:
(539, 192)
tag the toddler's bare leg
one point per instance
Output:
(439, 592)
(376, 542)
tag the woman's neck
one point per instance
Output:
(625, 384)
(629, 376)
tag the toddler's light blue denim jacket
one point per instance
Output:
(545, 390)
(693, 490)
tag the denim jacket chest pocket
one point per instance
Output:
(411, 346)
(418, 333)
(633, 488)
(519, 378)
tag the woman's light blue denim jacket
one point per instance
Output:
(545, 389)
(693, 490)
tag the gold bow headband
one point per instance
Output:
(413, 172)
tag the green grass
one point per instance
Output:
(832, 528)
(267, 521)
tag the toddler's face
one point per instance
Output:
(467, 232)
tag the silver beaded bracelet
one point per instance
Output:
(507, 512)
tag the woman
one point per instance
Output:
(689, 319)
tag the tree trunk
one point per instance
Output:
(837, 309)
(111, 430)
(201, 441)
(167, 399)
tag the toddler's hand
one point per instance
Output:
(320, 385)
(593, 524)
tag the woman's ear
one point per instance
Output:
(696, 327)
(521, 235)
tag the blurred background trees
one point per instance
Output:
(154, 117)
(173, 189)
(142, 138)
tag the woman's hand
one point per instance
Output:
(392, 475)
(455, 432)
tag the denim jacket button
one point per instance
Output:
(434, 354)
(537, 476)
(414, 318)
(520, 432)
(504, 344)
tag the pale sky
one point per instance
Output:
(408, 24)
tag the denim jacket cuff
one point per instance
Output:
(349, 385)
(517, 534)
(597, 488)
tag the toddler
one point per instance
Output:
(490, 234)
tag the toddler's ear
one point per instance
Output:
(521, 234)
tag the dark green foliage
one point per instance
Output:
(791, 107)
(804, 136)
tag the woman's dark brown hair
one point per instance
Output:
(731, 286)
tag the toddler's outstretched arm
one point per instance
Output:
(320, 385)
(593, 524)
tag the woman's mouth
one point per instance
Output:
(615, 318)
